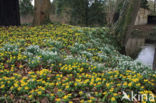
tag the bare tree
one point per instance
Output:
(41, 12)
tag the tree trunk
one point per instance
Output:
(117, 9)
(9, 13)
(41, 14)
(112, 6)
(123, 27)
(154, 63)
(86, 13)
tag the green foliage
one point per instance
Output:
(26, 7)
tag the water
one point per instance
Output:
(146, 56)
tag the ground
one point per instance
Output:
(64, 63)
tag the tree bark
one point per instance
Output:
(154, 63)
(9, 13)
(123, 27)
(116, 11)
(41, 14)
(86, 13)
(112, 9)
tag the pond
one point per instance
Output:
(146, 56)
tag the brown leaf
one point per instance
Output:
(44, 100)
(11, 96)
(6, 65)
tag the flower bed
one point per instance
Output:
(63, 63)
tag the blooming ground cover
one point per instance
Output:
(68, 64)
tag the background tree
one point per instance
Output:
(41, 12)
(9, 12)
(110, 9)
(97, 14)
(53, 7)
(83, 12)
(26, 7)
(151, 4)
(144, 4)
(79, 12)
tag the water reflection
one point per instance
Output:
(146, 56)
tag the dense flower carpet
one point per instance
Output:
(69, 64)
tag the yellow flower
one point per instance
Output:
(19, 88)
(65, 97)
(30, 96)
(26, 88)
(118, 85)
(75, 84)
(80, 92)
(112, 89)
(130, 84)
(2, 86)
(21, 66)
(11, 87)
(51, 94)
(115, 94)
(16, 85)
(125, 84)
(138, 84)
(69, 95)
(135, 80)
(113, 99)
(59, 90)
(39, 92)
(91, 83)
(67, 86)
(91, 98)
(104, 93)
(58, 99)
(82, 101)
(107, 84)
(89, 101)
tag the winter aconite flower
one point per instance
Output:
(113, 99)
(67, 64)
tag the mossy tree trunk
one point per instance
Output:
(123, 27)
(41, 12)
